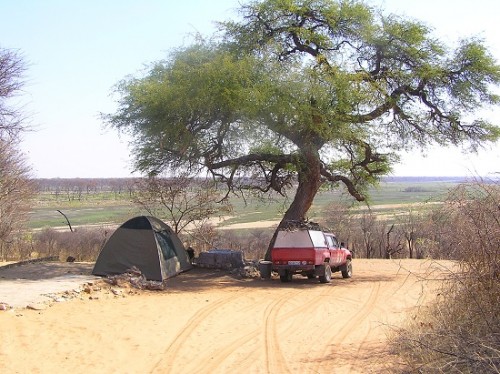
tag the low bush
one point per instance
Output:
(460, 331)
(83, 244)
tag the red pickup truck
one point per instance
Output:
(311, 253)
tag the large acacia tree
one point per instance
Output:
(307, 92)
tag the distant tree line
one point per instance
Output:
(80, 188)
(121, 188)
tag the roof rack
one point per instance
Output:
(294, 225)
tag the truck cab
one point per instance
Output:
(311, 253)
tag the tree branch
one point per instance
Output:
(254, 158)
(351, 187)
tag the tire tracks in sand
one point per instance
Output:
(273, 316)
(245, 339)
(275, 362)
(360, 315)
(168, 357)
(355, 321)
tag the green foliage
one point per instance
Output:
(172, 111)
(472, 70)
(319, 89)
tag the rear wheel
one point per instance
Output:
(326, 277)
(347, 270)
(286, 277)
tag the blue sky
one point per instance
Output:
(78, 50)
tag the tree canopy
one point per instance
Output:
(306, 92)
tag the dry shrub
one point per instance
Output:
(18, 248)
(460, 332)
(83, 244)
(253, 243)
(201, 238)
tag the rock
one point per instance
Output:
(249, 271)
(37, 306)
(4, 306)
(133, 278)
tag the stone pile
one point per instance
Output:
(248, 271)
(136, 279)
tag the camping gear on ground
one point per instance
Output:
(221, 259)
(146, 243)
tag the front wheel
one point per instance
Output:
(327, 275)
(347, 270)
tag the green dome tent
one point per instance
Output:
(146, 243)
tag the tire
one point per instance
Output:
(287, 277)
(327, 275)
(347, 270)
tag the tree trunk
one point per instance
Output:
(309, 184)
(410, 242)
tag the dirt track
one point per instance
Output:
(210, 322)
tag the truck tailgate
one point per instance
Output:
(283, 255)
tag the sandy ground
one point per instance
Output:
(41, 283)
(211, 322)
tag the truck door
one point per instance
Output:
(335, 252)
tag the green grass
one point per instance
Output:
(108, 207)
(90, 210)
(388, 199)
(400, 193)
(49, 217)
(255, 210)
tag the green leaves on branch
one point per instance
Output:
(324, 89)
(472, 71)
